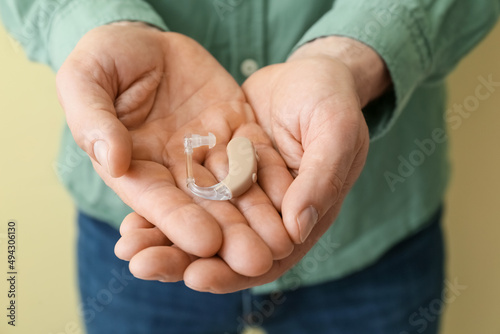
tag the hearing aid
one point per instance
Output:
(242, 173)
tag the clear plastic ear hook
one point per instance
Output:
(242, 167)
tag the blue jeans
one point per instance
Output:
(402, 293)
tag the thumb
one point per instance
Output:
(91, 117)
(332, 161)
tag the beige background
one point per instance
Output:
(30, 123)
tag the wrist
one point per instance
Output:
(368, 69)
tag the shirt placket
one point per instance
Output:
(247, 38)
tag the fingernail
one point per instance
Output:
(306, 220)
(101, 153)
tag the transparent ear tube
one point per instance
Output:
(242, 167)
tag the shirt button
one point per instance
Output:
(248, 67)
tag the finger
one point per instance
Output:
(263, 218)
(160, 263)
(139, 239)
(273, 175)
(255, 205)
(150, 190)
(261, 204)
(215, 276)
(199, 276)
(330, 147)
(132, 222)
(242, 249)
(91, 116)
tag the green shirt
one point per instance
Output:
(407, 170)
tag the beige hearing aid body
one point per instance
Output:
(242, 173)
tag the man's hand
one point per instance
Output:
(311, 108)
(130, 94)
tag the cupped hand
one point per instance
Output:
(130, 94)
(311, 107)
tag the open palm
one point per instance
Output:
(130, 94)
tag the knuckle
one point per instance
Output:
(334, 185)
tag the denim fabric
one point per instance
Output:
(402, 293)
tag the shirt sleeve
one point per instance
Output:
(48, 30)
(421, 41)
